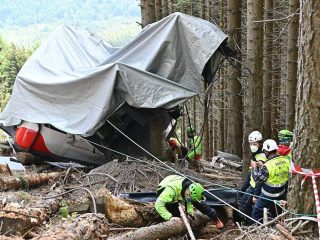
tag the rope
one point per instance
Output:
(199, 179)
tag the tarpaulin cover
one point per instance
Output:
(74, 80)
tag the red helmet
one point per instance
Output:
(173, 142)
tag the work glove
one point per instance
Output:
(219, 224)
(191, 217)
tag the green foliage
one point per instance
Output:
(27, 22)
(24, 13)
(63, 211)
(23, 196)
(11, 60)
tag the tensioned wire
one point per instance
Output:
(191, 177)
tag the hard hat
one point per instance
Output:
(173, 142)
(189, 130)
(285, 136)
(196, 191)
(255, 136)
(270, 145)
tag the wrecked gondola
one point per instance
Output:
(77, 97)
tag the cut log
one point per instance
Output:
(229, 156)
(86, 226)
(26, 181)
(5, 170)
(123, 212)
(25, 158)
(210, 170)
(231, 164)
(215, 176)
(284, 232)
(129, 213)
(17, 220)
(174, 227)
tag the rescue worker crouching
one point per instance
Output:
(250, 187)
(175, 189)
(195, 148)
(273, 176)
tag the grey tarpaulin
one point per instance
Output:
(74, 80)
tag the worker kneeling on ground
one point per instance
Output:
(250, 187)
(175, 189)
(273, 176)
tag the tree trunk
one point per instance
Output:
(157, 9)
(86, 226)
(211, 130)
(267, 69)
(16, 219)
(164, 230)
(170, 6)
(147, 12)
(221, 112)
(292, 63)
(164, 8)
(202, 9)
(208, 11)
(276, 80)
(157, 136)
(253, 88)
(205, 142)
(26, 181)
(234, 88)
(306, 149)
(195, 113)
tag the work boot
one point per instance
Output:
(219, 224)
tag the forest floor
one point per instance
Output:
(46, 202)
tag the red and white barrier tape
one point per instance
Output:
(313, 174)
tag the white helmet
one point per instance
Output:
(270, 145)
(255, 136)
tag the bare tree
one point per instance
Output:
(164, 8)
(253, 86)
(267, 69)
(147, 12)
(157, 9)
(292, 62)
(234, 88)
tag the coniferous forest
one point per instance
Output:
(272, 83)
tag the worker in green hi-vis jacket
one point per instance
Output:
(175, 189)
(195, 148)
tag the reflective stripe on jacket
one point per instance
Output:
(278, 169)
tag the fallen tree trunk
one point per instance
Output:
(210, 170)
(5, 170)
(26, 181)
(231, 164)
(120, 211)
(284, 232)
(229, 156)
(214, 176)
(163, 230)
(17, 220)
(86, 226)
